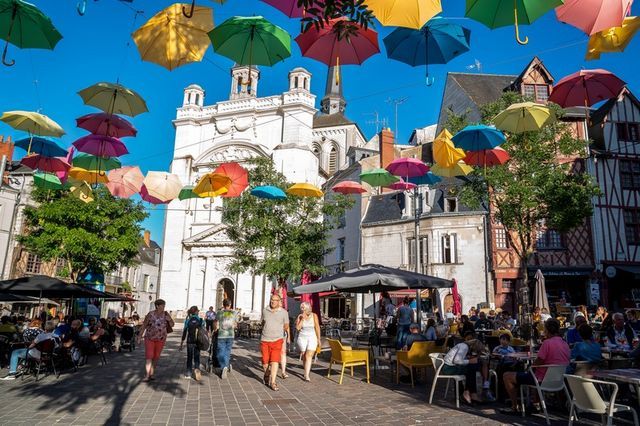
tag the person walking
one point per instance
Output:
(225, 325)
(192, 326)
(405, 319)
(308, 340)
(275, 322)
(210, 317)
(156, 325)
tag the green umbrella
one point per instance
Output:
(378, 177)
(501, 13)
(187, 192)
(47, 181)
(92, 162)
(24, 25)
(113, 98)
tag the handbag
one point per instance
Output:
(169, 328)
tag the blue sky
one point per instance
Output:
(98, 47)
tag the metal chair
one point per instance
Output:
(438, 362)
(47, 358)
(553, 382)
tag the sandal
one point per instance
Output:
(284, 376)
(265, 379)
(274, 386)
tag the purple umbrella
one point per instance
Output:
(407, 167)
(45, 164)
(101, 146)
(144, 194)
(401, 185)
(105, 124)
(288, 7)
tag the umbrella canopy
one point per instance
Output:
(24, 25)
(125, 181)
(187, 192)
(407, 167)
(378, 177)
(487, 157)
(113, 98)
(288, 7)
(445, 153)
(477, 137)
(47, 181)
(45, 164)
(401, 185)
(614, 39)
(541, 300)
(586, 88)
(83, 192)
(348, 187)
(460, 169)
(101, 146)
(339, 42)
(523, 117)
(305, 190)
(90, 176)
(9, 297)
(171, 38)
(592, 16)
(32, 122)
(404, 13)
(92, 162)
(456, 308)
(251, 41)
(44, 286)
(160, 187)
(496, 14)
(212, 185)
(269, 192)
(239, 178)
(373, 278)
(42, 146)
(101, 123)
(427, 179)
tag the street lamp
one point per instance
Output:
(417, 212)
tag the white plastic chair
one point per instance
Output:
(438, 363)
(586, 398)
(553, 382)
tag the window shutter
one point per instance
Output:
(455, 256)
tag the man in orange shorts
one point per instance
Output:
(275, 321)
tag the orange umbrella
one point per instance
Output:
(238, 175)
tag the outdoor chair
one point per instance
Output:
(438, 362)
(416, 357)
(553, 382)
(347, 357)
(47, 358)
(587, 399)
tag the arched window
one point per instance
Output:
(316, 149)
(197, 99)
(333, 160)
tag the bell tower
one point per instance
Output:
(244, 82)
(193, 97)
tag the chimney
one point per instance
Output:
(387, 151)
(147, 237)
(6, 151)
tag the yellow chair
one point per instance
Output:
(519, 342)
(347, 357)
(499, 332)
(417, 356)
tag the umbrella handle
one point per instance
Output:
(4, 56)
(6, 46)
(515, 22)
(430, 81)
(190, 14)
(81, 7)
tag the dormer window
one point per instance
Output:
(538, 92)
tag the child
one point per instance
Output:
(506, 363)
(504, 348)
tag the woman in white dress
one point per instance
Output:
(308, 340)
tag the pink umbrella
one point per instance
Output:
(407, 167)
(46, 164)
(288, 7)
(401, 185)
(101, 146)
(487, 157)
(348, 187)
(125, 181)
(457, 305)
(62, 175)
(592, 16)
(144, 194)
(586, 88)
(101, 123)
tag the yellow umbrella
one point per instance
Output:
(614, 39)
(444, 151)
(305, 190)
(172, 39)
(82, 192)
(459, 169)
(113, 98)
(404, 13)
(32, 122)
(91, 176)
(212, 185)
(523, 117)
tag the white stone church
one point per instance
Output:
(305, 144)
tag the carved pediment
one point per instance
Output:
(229, 152)
(212, 237)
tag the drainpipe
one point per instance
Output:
(16, 206)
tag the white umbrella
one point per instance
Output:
(541, 300)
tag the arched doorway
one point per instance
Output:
(225, 290)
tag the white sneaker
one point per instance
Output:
(187, 376)
(224, 373)
(9, 377)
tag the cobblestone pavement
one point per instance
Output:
(114, 394)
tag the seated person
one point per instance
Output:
(544, 314)
(632, 320)
(465, 325)
(573, 336)
(473, 315)
(431, 334)
(63, 328)
(101, 332)
(504, 348)
(483, 323)
(6, 327)
(492, 315)
(464, 359)
(586, 349)
(620, 335)
(19, 354)
(414, 336)
(509, 321)
(92, 325)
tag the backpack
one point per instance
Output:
(202, 339)
(193, 324)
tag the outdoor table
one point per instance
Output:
(624, 375)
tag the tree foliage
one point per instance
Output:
(280, 238)
(96, 236)
(320, 12)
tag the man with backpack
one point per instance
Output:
(193, 328)
(225, 325)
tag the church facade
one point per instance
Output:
(305, 144)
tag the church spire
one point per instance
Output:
(333, 100)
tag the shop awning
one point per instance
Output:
(630, 269)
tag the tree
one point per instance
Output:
(542, 184)
(96, 236)
(280, 238)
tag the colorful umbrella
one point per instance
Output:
(404, 13)
(32, 122)
(160, 187)
(456, 308)
(427, 179)
(586, 88)
(477, 137)
(239, 178)
(82, 191)
(212, 185)
(401, 185)
(113, 98)
(125, 181)
(437, 42)
(523, 117)
(487, 157)
(90, 176)
(101, 123)
(171, 39)
(193, 7)
(288, 7)
(460, 169)
(496, 14)
(187, 192)
(445, 153)
(46, 181)
(45, 164)
(407, 167)
(614, 39)
(305, 190)
(42, 146)
(378, 177)
(101, 146)
(269, 192)
(92, 162)
(592, 16)
(348, 187)
(24, 25)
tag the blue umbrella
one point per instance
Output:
(269, 192)
(42, 146)
(478, 137)
(426, 179)
(437, 42)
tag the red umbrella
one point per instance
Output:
(46, 164)
(401, 185)
(586, 88)
(407, 167)
(348, 187)
(101, 123)
(239, 178)
(592, 16)
(487, 157)
(288, 7)
(457, 305)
